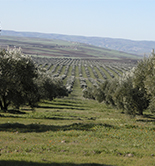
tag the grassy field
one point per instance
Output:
(74, 131)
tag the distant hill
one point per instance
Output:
(129, 46)
(61, 48)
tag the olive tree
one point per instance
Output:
(134, 92)
(127, 92)
(21, 82)
(89, 93)
(16, 78)
(49, 87)
(149, 82)
(110, 91)
(101, 91)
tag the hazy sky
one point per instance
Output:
(130, 19)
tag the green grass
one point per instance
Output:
(75, 131)
(76, 71)
(83, 72)
(98, 72)
(63, 70)
(69, 71)
(112, 71)
(106, 73)
(91, 72)
(56, 70)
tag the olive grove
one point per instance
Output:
(22, 82)
(133, 92)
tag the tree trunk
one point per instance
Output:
(4, 104)
(140, 112)
(1, 105)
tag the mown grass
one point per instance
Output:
(76, 131)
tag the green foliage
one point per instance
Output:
(110, 90)
(49, 88)
(101, 93)
(134, 91)
(21, 82)
(89, 93)
(16, 78)
(152, 105)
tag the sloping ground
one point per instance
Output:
(60, 48)
(129, 46)
(74, 131)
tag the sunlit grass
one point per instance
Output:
(106, 73)
(63, 70)
(91, 72)
(76, 130)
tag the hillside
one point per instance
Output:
(62, 48)
(129, 46)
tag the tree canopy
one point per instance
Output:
(133, 92)
(22, 82)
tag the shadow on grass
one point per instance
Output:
(150, 118)
(64, 104)
(70, 108)
(12, 127)
(49, 118)
(145, 120)
(13, 111)
(25, 163)
(63, 101)
(27, 109)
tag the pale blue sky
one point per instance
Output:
(129, 19)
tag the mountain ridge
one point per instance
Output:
(125, 45)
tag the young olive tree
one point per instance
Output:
(49, 87)
(110, 91)
(89, 93)
(125, 95)
(128, 95)
(101, 91)
(141, 73)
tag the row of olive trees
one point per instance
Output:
(22, 82)
(133, 92)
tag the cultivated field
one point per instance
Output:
(63, 48)
(86, 72)
(74, 131)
